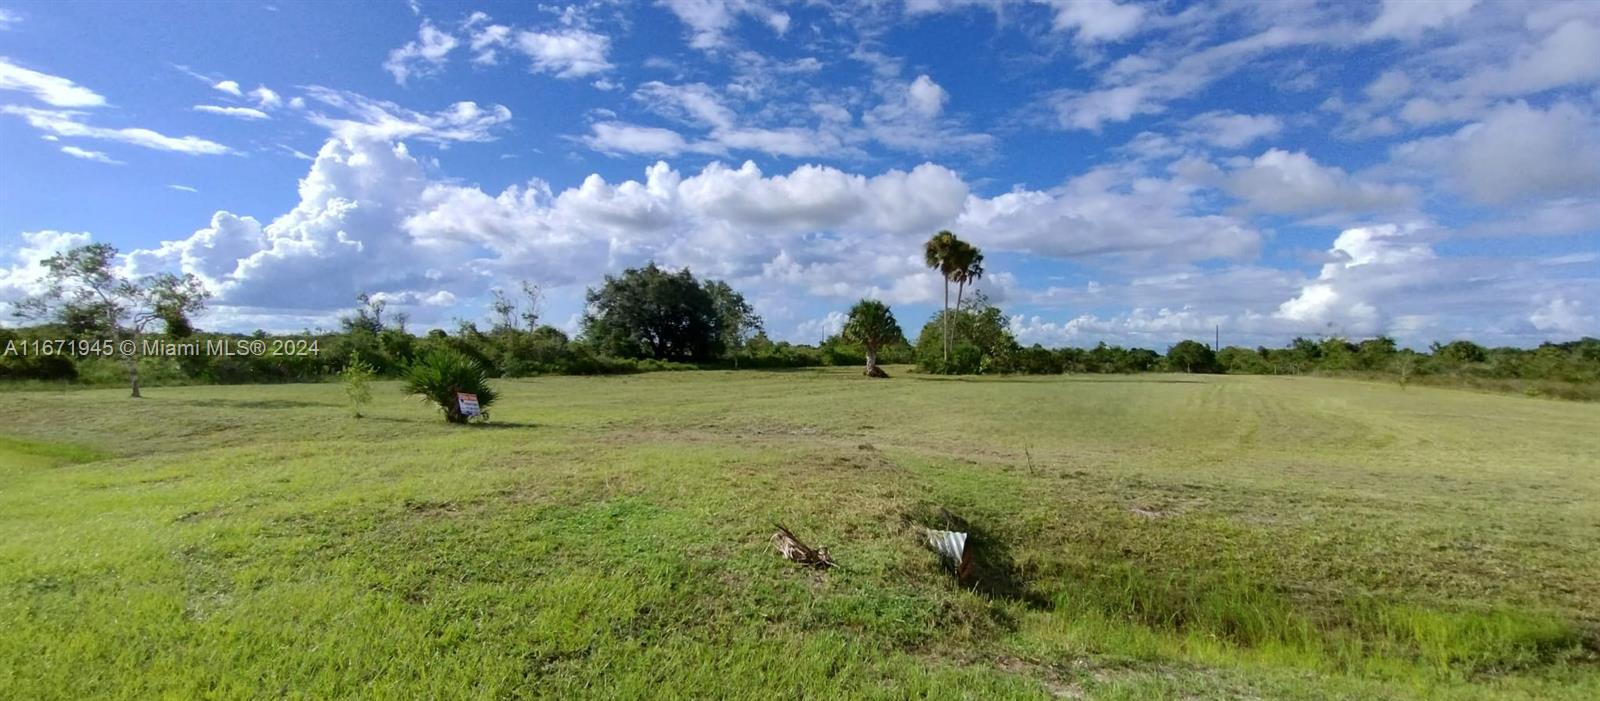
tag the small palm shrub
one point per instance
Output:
(438, 375)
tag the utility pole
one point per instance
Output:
(1216, 344)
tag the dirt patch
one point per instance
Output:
(1054, 682)
(863, 461)
(193, 516)
(425, 507)
(1158, 508)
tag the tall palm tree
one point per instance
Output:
(872, 325)
(937, 253)
(969, 267)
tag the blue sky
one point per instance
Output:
(1136, 172)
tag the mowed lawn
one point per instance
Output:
(1140, 537)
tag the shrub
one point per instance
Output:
(980, 341)
(357, 376)
(842, 354)
(438, 375)
(32, 366)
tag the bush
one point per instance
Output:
(1037, 360)
(980, 341)
(21, 365)
(438, 375)
(841, 354)
(783, 355)
(1243, 361)
(357, 376)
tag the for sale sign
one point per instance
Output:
(468, 403)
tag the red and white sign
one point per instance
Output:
(468, 403)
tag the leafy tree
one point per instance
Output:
(736, 319)
(357, 376)
(1243, 361)
(397, 344)
(87, 291)
(760, 344)
(1037, 360)
(1141, 360)
(932, 355)
(1072, 359)
(368, 317)
(1338, 354)
(471, 342)
(1585, 350)
(511, 314)
(1376, 353)
(546, 345)
(985, 326)
(653, 313)
(439, 375)
(1192, 356)
(509, 349)
(872, 325)
(1305, 351)
(1459, 353)
(1106, 358)
(981, 342)
(504, 310)
(361, 334)
(532, 304)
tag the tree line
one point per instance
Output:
(654, 318)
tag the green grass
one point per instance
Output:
(1142, 537)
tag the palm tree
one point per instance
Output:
(967, 264)
(938, 253)
(969, 267)
(439, 377)
(872, 325)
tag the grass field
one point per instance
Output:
(1141, 537)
